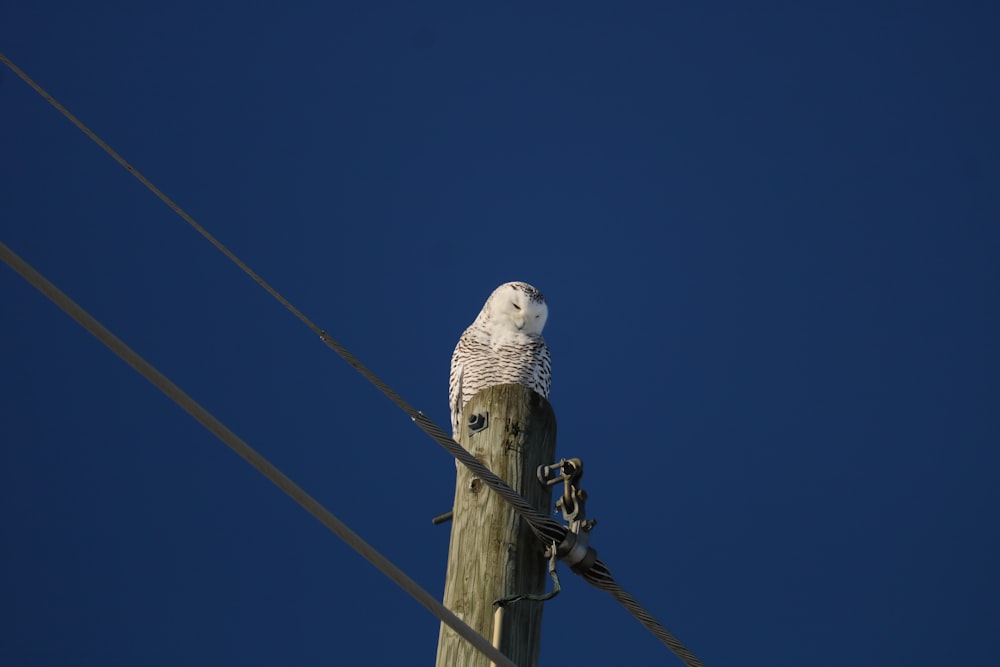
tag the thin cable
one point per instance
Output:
(156, 191)
(234, 442)
(541, 524)
(545, 529)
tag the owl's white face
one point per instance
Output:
(518, 308)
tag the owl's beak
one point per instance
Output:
(519, 322)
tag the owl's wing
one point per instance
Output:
(455, 392)
(541, 367)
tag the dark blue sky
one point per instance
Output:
(769, 236)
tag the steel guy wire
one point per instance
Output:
(254, 458)
(545, 529)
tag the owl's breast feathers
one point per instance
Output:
(481, 361)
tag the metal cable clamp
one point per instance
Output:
(575, 549)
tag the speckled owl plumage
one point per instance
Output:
(504, 345)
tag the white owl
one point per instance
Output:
(503, 345)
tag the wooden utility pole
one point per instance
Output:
(493, 553)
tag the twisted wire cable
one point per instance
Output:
(545, 528)
(600, 577)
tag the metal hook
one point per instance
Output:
(552, 553)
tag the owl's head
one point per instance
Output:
(518, 308)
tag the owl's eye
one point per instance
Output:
(516, 307)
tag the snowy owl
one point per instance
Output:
(503, 345)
